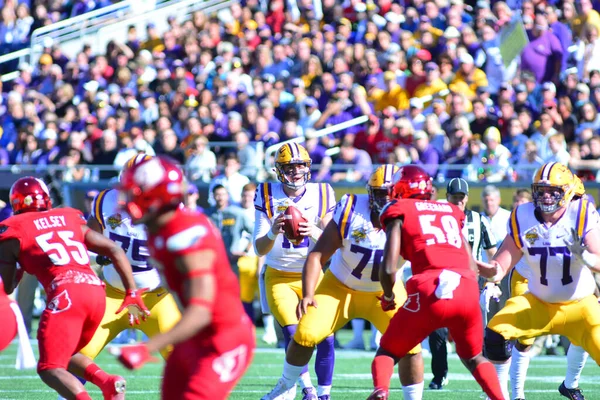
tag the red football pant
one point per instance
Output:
(423, 313)
(209, 369)
(8, 320)
(68, 323)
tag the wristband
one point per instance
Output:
(589, 259)
(388, 298)
(272, 236)
(317, 233)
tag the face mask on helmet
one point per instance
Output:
(378, 198)
(548, 198)
(294, 175)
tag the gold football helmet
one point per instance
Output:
(553, 187)
(579, 188)
(287, 158)
(379, 186)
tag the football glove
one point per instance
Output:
(579, 250)
(490, 291)
(387, 303)
(135, 306)
(103, 260)
(135, 356)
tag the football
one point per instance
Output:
(291, 224)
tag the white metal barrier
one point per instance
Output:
(271, 150)
(98, 27)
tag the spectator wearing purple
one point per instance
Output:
(168, 146)
(321, 162)
(424, 154)
(23, 154)
(358, 162)
(483, 120)
(48, 149)
(280, 68)
(5, 211)
(246, 154)
(334, 114)
(540, 138)
(515, 140)
(561, 31)
(4, 156)
(543, 56)
(268, 111)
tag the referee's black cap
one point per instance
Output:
(457, 185)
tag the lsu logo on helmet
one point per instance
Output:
(379, 186)
(558, 179)
(291, 154)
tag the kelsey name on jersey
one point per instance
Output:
(117, 225)
(357, 263)
(50, 222)
(547, 254)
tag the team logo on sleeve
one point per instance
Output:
(3, 228)
(114, 220)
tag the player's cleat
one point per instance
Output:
(438, 386)
(379, 394)
(309, 393)
(114, 388)
(281, 392)
(573, 394)
(270, 338)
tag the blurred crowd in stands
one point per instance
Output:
(429, 74)
(19, 18)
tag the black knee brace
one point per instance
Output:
(496, 348)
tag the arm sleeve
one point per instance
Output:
(97, 204)
(513, 228)
(487, 237)
(587, 218)
(342, 214)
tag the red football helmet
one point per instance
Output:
(29, 194)
(153, 185)
(412, 182)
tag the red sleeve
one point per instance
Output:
(460, 216)
(77, 215)
(392, 210)
(9, 231)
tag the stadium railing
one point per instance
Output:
(269, 163)
(98, 27)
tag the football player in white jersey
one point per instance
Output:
(354, 242)
(284, 260)
(560, 239)
(519, 363)
(110, 220)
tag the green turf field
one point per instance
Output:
(352, 379)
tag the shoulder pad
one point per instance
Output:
(187, 238)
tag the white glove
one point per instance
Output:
(579, 250)
(490, 291)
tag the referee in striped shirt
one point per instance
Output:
(479, 234)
